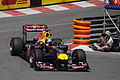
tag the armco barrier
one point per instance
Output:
(13, 4)
(81, 32)
(3, 5)
(19, 4)
(35, 3)
(70, 0)
(46, 2)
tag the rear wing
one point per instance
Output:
(35, 28)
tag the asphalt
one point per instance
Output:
(104, 65)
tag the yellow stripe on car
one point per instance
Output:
(34, 26)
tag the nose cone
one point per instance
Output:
(63, 56)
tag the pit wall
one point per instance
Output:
(13, 4)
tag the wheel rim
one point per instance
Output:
(31, 59)
(11, 46)
(11, 49)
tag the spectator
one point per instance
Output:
(105, 42)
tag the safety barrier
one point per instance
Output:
(12, 4)
(70, 0)
(46, 2)
(111, 5)
(81, 32)
(88, 29)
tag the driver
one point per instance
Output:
(43, 38)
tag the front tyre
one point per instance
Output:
(35, 58)
(78, 55)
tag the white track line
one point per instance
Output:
(83, 4)
(28, 11)
(3, 15)
(57, 7)
(85, 48)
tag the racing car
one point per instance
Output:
(44, 53)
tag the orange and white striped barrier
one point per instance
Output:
(81, 32)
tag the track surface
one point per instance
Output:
(104, 66)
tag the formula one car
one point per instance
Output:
(44, 53)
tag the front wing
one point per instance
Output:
(73, 66)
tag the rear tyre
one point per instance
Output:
(79, 55)
(16, 46)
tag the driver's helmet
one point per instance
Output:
(43, 36)
(48, 42)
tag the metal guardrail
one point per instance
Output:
(106, 12)
(111, 5)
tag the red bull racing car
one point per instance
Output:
(44, 53)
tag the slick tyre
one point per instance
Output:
(16, 46)
(79, 55)
(37, 57)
